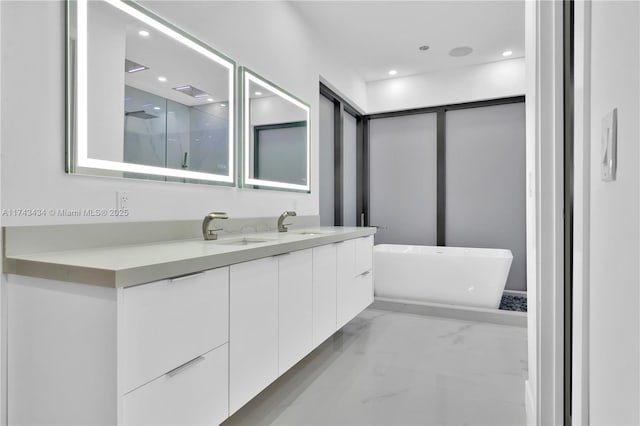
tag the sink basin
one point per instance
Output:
(313, 232)
(243, 241)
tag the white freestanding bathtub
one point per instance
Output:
(449, 275)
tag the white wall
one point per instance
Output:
(464, 84)
(614, 229)
(268, 37)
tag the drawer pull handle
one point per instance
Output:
(184, 366)
(187, 276)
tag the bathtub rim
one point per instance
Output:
(498, 253)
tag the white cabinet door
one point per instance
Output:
(324, 293)
(169, 322)
(253, 329)
(363, 289)
(346, 257)
(193, 394)
(364, 254)
(364, 272)
(354, 270)
(295, 320)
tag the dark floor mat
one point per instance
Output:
(513, 303)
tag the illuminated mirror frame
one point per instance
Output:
(78, 160)
(247, 77)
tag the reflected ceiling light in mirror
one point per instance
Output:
(131, 67)
(194, 92)
(143, 33)
(507, 53)
(81, 140)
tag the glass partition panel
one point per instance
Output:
(327, 163)
(350, 170)
(403, 179)
(485, 182)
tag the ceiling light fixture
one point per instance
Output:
(156, 108)
(209, 99)
(258, 93)
(393, 72)
(143, 33)
(460, 51)
(162, 79)
(507, 53)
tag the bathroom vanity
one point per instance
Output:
(173, 332)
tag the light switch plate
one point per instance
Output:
(609, 146)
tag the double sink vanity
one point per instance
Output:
(172, 322)
(169, 331)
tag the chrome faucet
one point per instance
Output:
(207, 233)
(282, 227)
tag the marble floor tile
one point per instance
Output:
(390, 368)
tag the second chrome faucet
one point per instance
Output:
(282, 227)
(207, 233)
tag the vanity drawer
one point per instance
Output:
(169, 322)
(196, 393)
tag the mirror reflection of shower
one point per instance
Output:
(164, 133)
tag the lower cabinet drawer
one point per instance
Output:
(195, 393)
(169, 322)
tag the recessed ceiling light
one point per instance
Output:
(143, 33)
(393, 72)
(423, 47)
(460, 51)
(258, 93)
(209, 99)
(162, 79)
(223, 105)
(507, 53)
(156, 108)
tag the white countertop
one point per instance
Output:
(128, 265)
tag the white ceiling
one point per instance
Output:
(376, 36)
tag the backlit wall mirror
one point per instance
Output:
(276, 146)
(146, 99)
